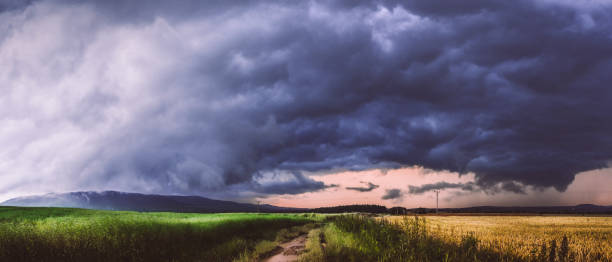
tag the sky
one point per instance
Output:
(309, 103)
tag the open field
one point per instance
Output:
(66, 234)
(466, 238)
(588, 238)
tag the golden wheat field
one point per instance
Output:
(588, 238)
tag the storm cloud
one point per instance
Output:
(392, 194)
(507, 186)
(469, 186)
(292, 183)
(205, 97)
(369, 188)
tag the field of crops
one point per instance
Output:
(557, 238)
(65, 234)
(464, 238)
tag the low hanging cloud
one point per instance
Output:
(291, 183)
(392, 194)
(203, 97)
(468, 186)
(369, 188)
(511, 187)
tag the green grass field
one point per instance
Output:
(66, 234)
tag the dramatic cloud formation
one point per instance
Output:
(293, 183)
(469, 186)
(511, 187)
(392, 194)
(200, 97)
(369, 188)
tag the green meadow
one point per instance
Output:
(68, 234)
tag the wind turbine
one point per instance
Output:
(437, 193)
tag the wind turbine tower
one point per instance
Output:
(437, 193)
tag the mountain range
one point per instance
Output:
(114, 200)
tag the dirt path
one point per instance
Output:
(290, 250)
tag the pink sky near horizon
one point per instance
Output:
(590, 187)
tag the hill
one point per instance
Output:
(113, 200)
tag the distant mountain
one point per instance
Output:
(113, 200)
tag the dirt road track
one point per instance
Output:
(290, 250)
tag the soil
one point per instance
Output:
(289, 251)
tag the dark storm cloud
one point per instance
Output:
(7, 5)
(469, 186)
(369, 188)
(392, 194)
(191, 96)
(512, 187)
(294, 183)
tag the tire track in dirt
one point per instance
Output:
(289, 251)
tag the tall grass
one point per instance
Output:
(366, 239)
(359, 238)
(59, 234)
(314, 247)
(530, 238)
(64, 234)
(266, 248)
